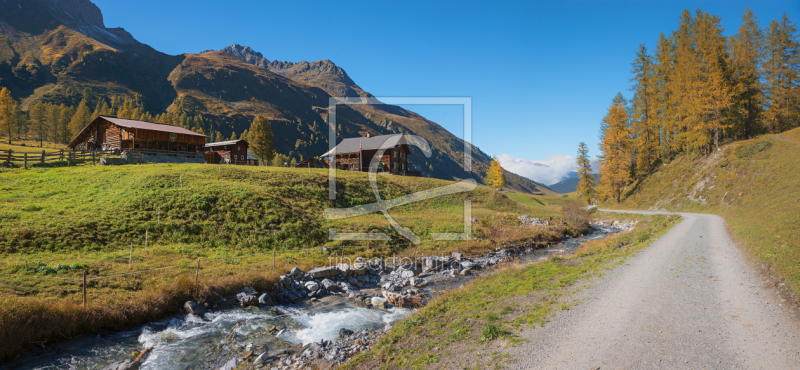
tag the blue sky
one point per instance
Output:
(541, 75)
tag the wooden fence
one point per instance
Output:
(29, 159)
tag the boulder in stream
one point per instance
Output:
(193, 308)
(344, 332)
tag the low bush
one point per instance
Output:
(754, 148)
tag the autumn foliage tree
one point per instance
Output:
(8, 113)
(495, 177)
(615, 161)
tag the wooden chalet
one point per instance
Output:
(139, 137)
(230, 152)
(356, 154)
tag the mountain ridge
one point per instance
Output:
(51, 50)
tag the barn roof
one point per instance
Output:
(352, 145)
(223, 143)
(129, 123)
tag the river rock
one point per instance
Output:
(123, 365)
(193, 308)
(378, 302)
(343, 333)
(285, 280)
(246, 299)
(418, 282)
(295, 272)
(360, 303)
(405, 274)
(323, 272)
(457, 255)
(262, 358)
(331, 286)
(467, 264)
(312, 286)
(265, 299)
(344, 269)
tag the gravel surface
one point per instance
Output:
(689, 301)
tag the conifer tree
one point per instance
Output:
(38, 116)
(80, 119)
(64, 117)
(495, 176)
(615, 162)
(643, 123)
(781, 69)
(261, 139)
(715, 94)
(586, 181)
(8, 113)
(52, 121)
(747, 48)
(664, 111)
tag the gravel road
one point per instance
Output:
(689, 301)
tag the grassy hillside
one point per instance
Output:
(754, 184)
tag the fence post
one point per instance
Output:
(60, 155)
(9, 155)
(94, 153)
(42, 156)
(130, 257)
(69, 159)
(273, 259)
(145, 241)
(25, 160)
(84, 288)
(197, 272)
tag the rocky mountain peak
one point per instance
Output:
(322, 73)
(246, 54)
(80, 15)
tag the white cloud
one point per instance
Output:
(556, 168)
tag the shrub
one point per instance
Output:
(491, 332)
(753, 149)
(575, 215)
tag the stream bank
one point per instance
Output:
(299, 324)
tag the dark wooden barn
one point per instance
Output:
(356, 154)
(125, 135)
(230, 152)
